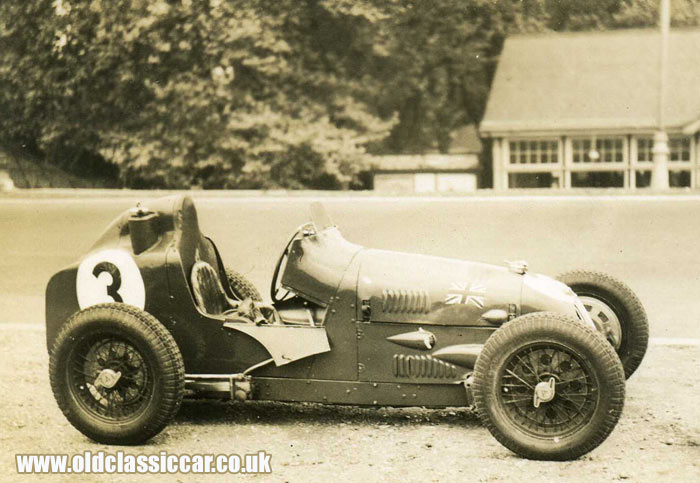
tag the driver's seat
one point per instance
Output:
(208, 291)
(211, 299)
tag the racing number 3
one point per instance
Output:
(108, 276)
(115, 285)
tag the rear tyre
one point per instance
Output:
(548, 388)
(117, 374)
(241, 286)
(616, 311)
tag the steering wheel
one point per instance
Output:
(276, 286)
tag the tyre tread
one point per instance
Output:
(517, 331)
(241, 286)
(630, 302)
(163, 344)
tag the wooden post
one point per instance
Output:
(496, 164)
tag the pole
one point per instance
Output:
(660, 151)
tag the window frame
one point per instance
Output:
(554, 149)
(586, 164)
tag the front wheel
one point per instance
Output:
(117, 374)
(616, 311)
(548, 388)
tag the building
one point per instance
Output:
(580, 109)
(456, 170)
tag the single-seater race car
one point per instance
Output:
(151, 315)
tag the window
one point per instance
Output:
(676, 179)
(598, 179)
(679, 179)
(679, 147)
(644, 150)
(600, 150)
(532, 180)
(642, 179)
(679, 153)
(534, 152)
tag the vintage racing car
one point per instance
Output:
(151, 314)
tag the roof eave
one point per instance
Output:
(500, 131)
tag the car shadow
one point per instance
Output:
(215, 412)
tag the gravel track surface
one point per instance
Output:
(657, 439)
(651, 244)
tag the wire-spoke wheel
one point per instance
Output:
(548, 387)
(110, 378)
(117, 374)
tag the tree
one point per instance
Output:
(220, 94)
(645, 13)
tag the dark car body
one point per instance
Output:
(365, 326)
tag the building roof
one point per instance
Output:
(593, 81)
(465, 140)
(425, 162)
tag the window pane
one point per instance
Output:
(679, 179)
(680, 148)
(533, 151)
(598, 179)
(532, 180)
(643, 179)
(644, 146)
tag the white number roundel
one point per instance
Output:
(110, 276)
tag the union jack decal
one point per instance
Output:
(466, 293)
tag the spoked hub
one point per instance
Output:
(605, 319)
(548, 390)
(110, 378)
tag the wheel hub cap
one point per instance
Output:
(604, 318)
(107, 378)
(544, 392)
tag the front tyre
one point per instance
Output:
(548, 388)
(117, 374)
(616, 311)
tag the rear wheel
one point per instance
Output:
(117, 374)
(616, 311)
(241, 286)
(547, 387)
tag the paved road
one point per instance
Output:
(650, 243)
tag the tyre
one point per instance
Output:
(616, 311)
(547, 387)
(117, 374)
(241, 286)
